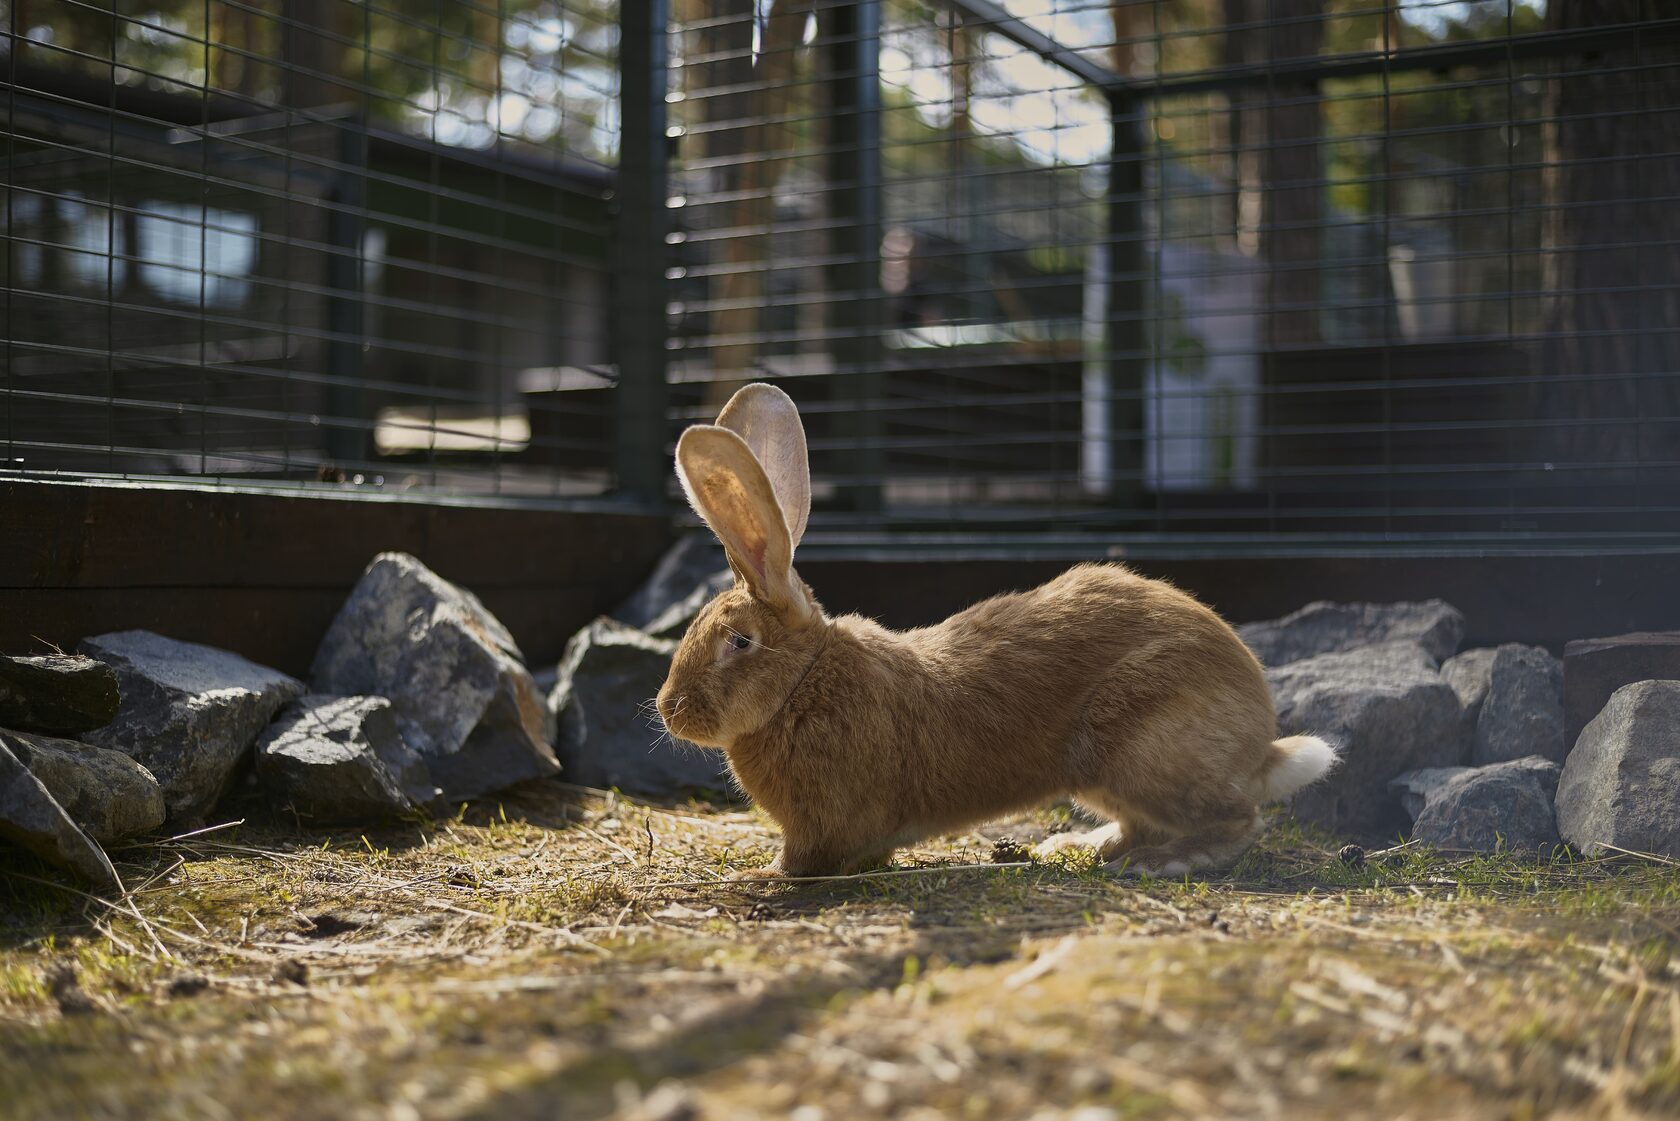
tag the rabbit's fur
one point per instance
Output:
(1119, 691)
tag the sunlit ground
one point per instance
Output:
(571, 954)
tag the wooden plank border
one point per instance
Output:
(262, 573)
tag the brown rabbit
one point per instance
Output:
(1121, 692)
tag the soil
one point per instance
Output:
(569, 953)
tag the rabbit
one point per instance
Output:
(1118, 691)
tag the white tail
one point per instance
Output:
(1297, 761)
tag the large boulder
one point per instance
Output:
(1483, 809)
(1332, 628)
(189, 713)
(1513, 702)
(1621, 783)
(457, 683)
(1594, 668)
(32, 820)
(609, 733)
(1387, 709)
(685, 580)
(342, 759)
(108, 794)
(695, 560)
(57, 694)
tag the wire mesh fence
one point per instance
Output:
(1240, 269)
(1193, 271)
(310, 240)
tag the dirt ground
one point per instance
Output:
(568, 953)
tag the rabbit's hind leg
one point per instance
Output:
(1213, 845)
(1109, 842)
(1098, 840)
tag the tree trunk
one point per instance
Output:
(1276, 135)
(748, 180)
(1610, 356)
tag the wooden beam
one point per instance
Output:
(263, 574)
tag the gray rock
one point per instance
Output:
(1331, 628)
(1483, 809)
(1621, 783)
(32, 820)
(1513, 702)
(1594, 668)
(609, 733)
(458, 688)
(674, 620)
(1388, 710)
(58, 694)
(694, 563)
(189, 713)
(342, 759)
(1415, 788)
(106, 793)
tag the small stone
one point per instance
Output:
(1332, 628)
(189, 713)
(56, 694)
(668, 1101)
(65, 987)
(188, 984)
(108, 794)
(32, 819)
(330, 924)
(292, 971)
(462, 697)
(1093, 1113)
(1621, 783)
(1352, 855)
(1211, 917)
(342, 759)
(1222, 926)
(1416, 788)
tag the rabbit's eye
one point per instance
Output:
(739, 642)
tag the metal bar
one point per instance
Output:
(639, 254)
(850, 49)
(995, 18)
(1443, 56)
(1127, 277)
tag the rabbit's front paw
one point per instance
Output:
(750, 875)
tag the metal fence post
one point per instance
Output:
(1126, 343)
(639, 253)
(851, 34)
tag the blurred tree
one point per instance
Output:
(1611, 230)
(1276, 134)
(751, 116)
(539, 72)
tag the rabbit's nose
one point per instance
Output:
(668, 705)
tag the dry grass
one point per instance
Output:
(564, 952)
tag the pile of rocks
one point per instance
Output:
(417, 696)
(1495, 747)
(604, 728)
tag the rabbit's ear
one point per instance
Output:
(727, 487)
(768, 420)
